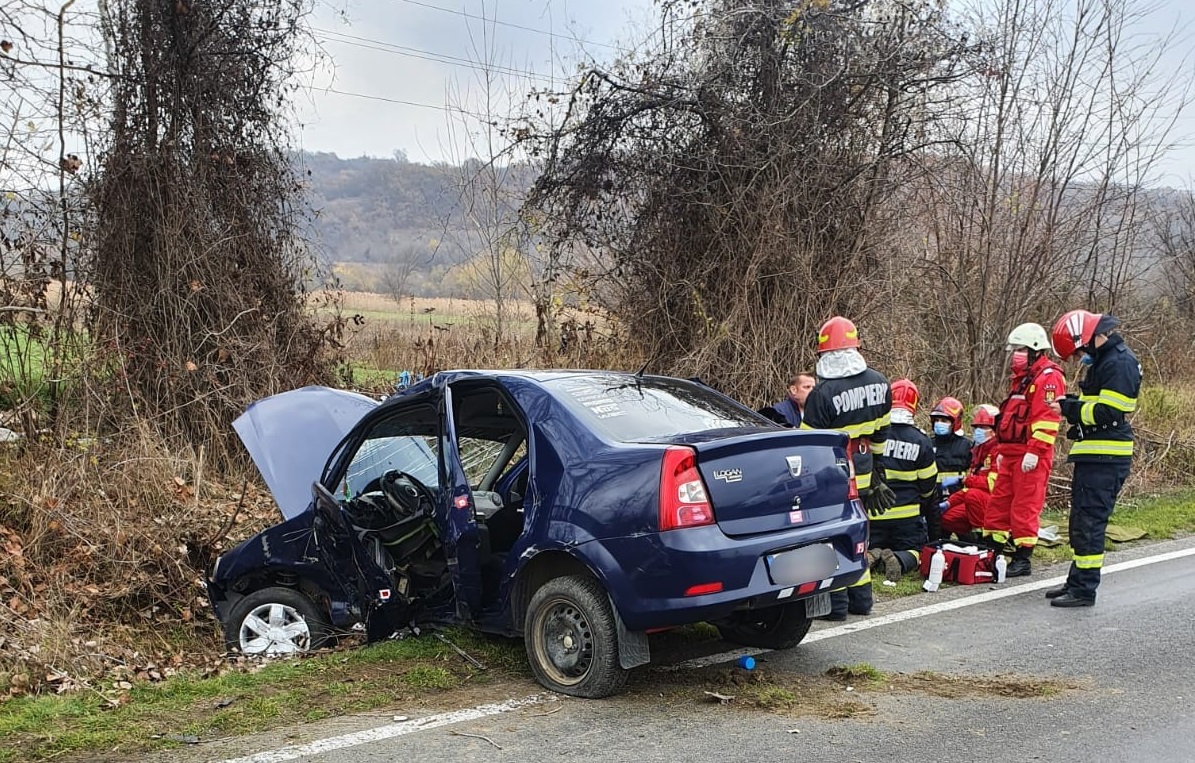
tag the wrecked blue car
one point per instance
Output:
(579, 510)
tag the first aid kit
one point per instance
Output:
(965, 565)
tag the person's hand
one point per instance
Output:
(1055, 407)
(879, 499)
(1029, 462)
(1069, 407)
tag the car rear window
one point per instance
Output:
(633, 409)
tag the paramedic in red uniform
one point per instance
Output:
(1026, 428)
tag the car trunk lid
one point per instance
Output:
(773, 481)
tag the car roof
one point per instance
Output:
(441, 378)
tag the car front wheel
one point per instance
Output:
(781, 627)
(572, 638)
(276, 622)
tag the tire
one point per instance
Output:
(572, 638)
(276, 622)
(781, 627)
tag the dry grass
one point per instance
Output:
(425, 335)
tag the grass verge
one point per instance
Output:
(188, 707)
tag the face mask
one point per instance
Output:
(980, 436)
(1086, 360)
(941, 428)
(1020, 361)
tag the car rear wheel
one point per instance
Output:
(572, 638)
(781, 627)
(276, 622)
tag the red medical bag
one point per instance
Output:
(966, 565)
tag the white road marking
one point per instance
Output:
(390, 731)
(929, 609)
(458, 716)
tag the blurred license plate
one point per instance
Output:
(802, 565)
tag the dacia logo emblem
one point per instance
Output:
(794, 465)
(728, 475)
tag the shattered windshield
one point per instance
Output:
(634, 409)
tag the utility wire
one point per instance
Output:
(467, 15)
(425, 55)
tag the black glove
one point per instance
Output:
(879, 498)
(1070, 407)
(1074, 432)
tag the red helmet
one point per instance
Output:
(949, 408)
(905, 395)
(838, 333)
(1072, 331)
(984, 415)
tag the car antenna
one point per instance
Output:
(639, 373)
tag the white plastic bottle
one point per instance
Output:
(1001, 568)
(937, 565)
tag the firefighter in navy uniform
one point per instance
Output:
(1103, 447)
(852, 398)
(902, 531)
(952, 450)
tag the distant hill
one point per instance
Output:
(372, 213)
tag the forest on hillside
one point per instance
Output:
(389, 224)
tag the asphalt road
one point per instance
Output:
(1131, 657)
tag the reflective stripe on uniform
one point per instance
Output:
(906, 511)
(865, 580)
(1114, 399)
(863, 481)
(997, 536)
(1045, 431)
(1102, 448)
(1087, 409)
(943, 475)
(1030, 541)
(1089, 561)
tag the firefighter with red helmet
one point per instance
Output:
(967, 507)
(952, 450)
(1103, 442)
(898, 535)
(854, 399)
(1027, 429)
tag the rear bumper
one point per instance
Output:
(647, 575)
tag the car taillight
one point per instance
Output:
(683, 500)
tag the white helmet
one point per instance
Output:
(1030, 335)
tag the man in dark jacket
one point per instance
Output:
(1103, 449)
(788, 411)
(851, 398)
(952, 450)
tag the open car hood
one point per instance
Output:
(290, 436)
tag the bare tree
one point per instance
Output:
(200, 275)
(51, 87)
(1035, 201)
(732, 179)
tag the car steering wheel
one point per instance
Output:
(405, 491)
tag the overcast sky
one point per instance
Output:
(390, 66)
(426, 53)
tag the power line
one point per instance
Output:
(426, 55)
(512, 25)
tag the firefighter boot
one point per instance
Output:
(1019, 566)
